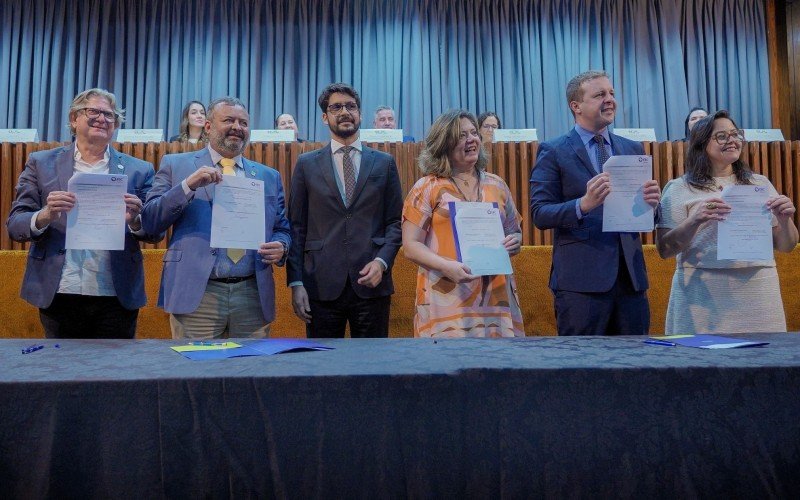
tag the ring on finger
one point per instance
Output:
(711, 205)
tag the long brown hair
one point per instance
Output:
(183, 130)
(699, 171)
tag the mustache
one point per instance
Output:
(238, 134)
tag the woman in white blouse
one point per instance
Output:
(709, 294)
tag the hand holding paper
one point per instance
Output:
(633, 194)
(746, 234)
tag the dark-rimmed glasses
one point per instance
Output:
(94, 113)
(722, 138)
(337, 108)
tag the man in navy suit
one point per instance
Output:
(598, 279)
(81, 293)
(216, 292)
(344, 205)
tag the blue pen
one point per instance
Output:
(33, 348)
(660, 342)
(206, 343)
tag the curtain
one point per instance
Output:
(421, 57)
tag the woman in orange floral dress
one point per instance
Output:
(451, 302)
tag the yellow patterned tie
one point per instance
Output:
(229, 168)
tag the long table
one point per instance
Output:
(393, 418)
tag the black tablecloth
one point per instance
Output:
(580, 416)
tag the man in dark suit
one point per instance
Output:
(81, 293)
(344, 206)
(598, 279)
(216, 292)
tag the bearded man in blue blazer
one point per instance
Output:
(216, 292)
(82, 293)
(598, 279)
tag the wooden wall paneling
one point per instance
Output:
(525, 155)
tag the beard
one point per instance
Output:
(345, 132)
(228, 144)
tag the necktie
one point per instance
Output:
(349, 174)
(602, 152)
(229, 168)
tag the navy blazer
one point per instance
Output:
(189, 260)
(331, 243)
(47, 171)
(585, 259)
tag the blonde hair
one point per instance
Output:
(81, 99)
(443, 137)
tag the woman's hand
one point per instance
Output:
(513, 243)
(781, 206)
(712, 208)
(457, 271)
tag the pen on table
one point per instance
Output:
(206, 343)
(660, 342)
(33, 348)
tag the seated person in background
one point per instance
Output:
(81, 293)
(193, 122)
(384, 118)
(488, 122)
(286, 122)
(696, 114)
(451, 302)
(709, 294)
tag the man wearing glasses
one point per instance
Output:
(210, 292)
(82, 293)
(344, 206)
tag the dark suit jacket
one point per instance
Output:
(51, 170)
(189, 260)
(331, 243)
(585, 259)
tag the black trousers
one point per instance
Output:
(619, 311)
(72, 316)
(367, 317)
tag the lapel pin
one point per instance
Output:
(119, 166)
(253, 172)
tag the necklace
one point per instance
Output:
(479, 195)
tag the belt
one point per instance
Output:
(236, 279)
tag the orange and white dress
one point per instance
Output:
(485, 307)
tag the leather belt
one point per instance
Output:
(236, 279)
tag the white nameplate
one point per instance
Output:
(19, 135)
(515, 135)
(271, 135)
(140, 135)
(763, 134)
(637, 134)
(381, 135)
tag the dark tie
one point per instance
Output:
(602, 152)
(349, 174)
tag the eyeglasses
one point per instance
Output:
(722, 138)
(93, 113)
(337, 108)
(490, 126)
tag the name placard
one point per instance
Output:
(763, 134)
(140, 135)
(381, 135)
(515, 135)
(271, 135)
(637, 134)
(19, 135)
